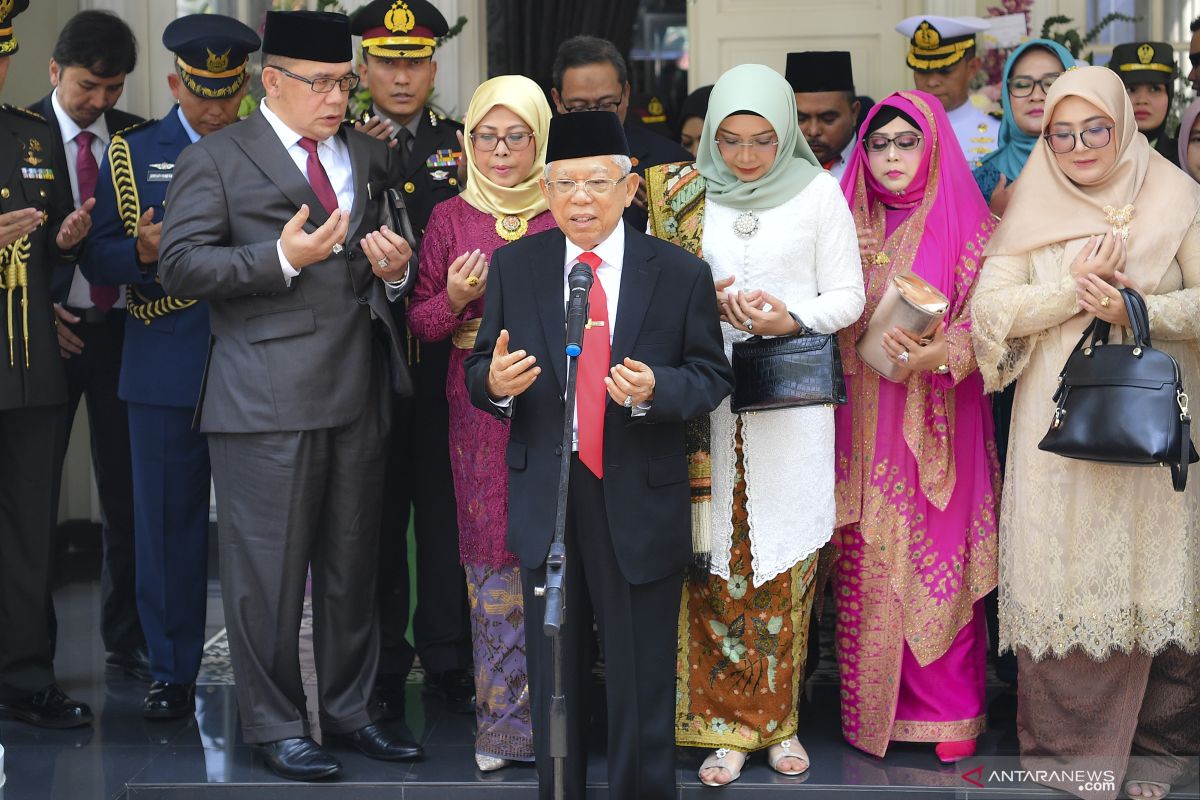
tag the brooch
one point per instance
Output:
(1119, 218)
(746, 224)
(511, 227)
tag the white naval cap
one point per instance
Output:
(939, 42)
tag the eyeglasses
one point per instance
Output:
(1092, 138)
(606, 105)
(564, 187)
(755, 145)
(1023, 87)
(487, 142)
(347, 83)
(877, 142)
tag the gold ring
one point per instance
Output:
(473, 280)
(1104, 301)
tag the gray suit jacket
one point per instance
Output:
(282, 358)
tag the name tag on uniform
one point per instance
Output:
(37, 174)
(161, 172)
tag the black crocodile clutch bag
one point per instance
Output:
(787, 372)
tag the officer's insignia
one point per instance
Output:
(37, 174)
(217, 63)
(927, 37)
(399, 18)
(654, 112)
(162, 165)
(32, 148)
(1145, 54)
(6, 8)
(983, 127)
(439, 175)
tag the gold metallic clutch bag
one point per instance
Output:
(911, 304)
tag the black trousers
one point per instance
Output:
(30, 440)
(418, 480)
(638, 632)
(93, 377)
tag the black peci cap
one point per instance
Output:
(583, 134)
(308, 35)
(820, 71)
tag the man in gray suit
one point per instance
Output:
(280, 222)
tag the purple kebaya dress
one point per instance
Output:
(477, 443)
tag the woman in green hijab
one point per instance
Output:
(781, 243)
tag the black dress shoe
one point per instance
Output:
(169, 700)
(299, 759)
(49, 708)
(375, 742)
(388, 697)
(457, 686)
(134, 663)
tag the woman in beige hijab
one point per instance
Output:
(1099, 564)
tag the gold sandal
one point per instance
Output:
(721, 759)
(788, 748)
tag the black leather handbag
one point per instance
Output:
(1122, 403)
(787, 372)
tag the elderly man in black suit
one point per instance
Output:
(652, 359)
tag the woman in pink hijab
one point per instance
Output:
(917, 473)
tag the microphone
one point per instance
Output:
(579, 281)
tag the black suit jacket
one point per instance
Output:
(117, 121)
(666, 318)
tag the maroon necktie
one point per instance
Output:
(86, 172)
(318, 178)
(591, 392)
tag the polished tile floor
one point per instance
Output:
(123, 756)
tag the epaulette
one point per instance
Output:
(23, 112)
(436, 119)
(136, 127)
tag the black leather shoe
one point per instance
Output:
(457, 686)
(299, 759)
(169, 700)
(49, 708)
(134, 663)
(375, 742)
(388, 697)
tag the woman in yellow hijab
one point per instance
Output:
(506, 126)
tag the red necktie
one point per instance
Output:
(590, 390)
(318, 178)
(86, 173)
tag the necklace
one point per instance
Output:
(511, 227)
(746, 224)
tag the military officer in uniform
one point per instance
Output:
(399, 38)
(166, 342)
(943, 55)
(39, 236)
(1148, 71)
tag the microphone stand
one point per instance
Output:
(556, 557)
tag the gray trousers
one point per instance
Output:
(288, 502)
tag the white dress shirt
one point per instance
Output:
(976, 130)
(333, 155)
(843, 160)
(80, 295)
